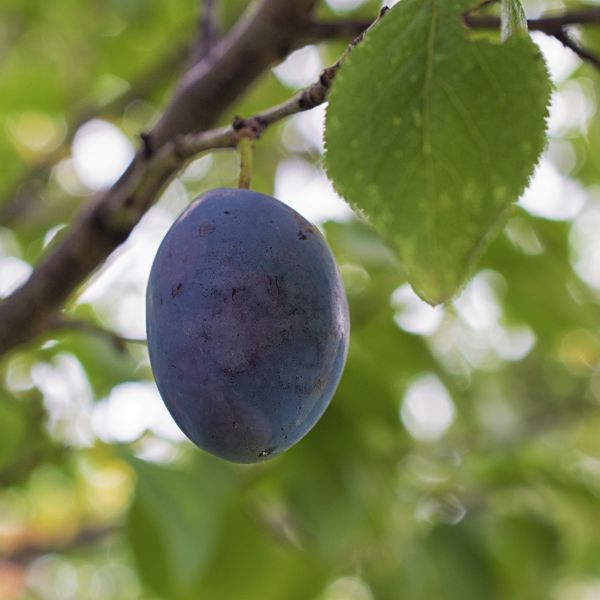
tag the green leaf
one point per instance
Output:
(534, 539)
(251, 563)
(174, 523)
(535, 275)
(433, 136)
(449, 563)
(513, 19)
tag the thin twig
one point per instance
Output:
(360, 36)
(86, 537)
(549, 24)
(185, 147)
(586, 55)
(118, 341)
(552, 25)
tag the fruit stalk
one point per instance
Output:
(245, 147)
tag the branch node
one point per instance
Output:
(327, 75)
(238, 123)
(147, 146)
(252, 127)
(179, 150)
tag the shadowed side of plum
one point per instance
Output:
(247, 324)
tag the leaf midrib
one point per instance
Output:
(427, 147)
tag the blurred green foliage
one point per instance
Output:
(498, 500)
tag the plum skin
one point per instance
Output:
(247, 324)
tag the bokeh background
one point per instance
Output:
(460, 458)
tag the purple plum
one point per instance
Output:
(247, 324)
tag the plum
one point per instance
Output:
(247, 324)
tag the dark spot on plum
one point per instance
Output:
(265, 452)
(319, 384)
(175, 291)
(233, 293)
(205, 229)
(301, 235)
(226, 212)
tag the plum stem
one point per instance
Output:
(245, 147)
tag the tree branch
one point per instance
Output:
(552, 25)
(86, 537)
(265, 34)
(584, 54)
(209, 27)
(549, 24)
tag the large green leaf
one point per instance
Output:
(433, 136)
(174, 523)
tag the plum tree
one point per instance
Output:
(247, 324)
